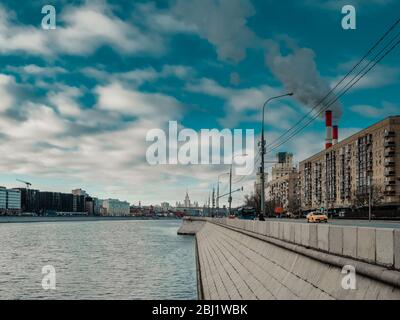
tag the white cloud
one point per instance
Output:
(115, 97)
(65, 100)
(81, 30)
(7, 99)
(35, 70)
(380, 76)
(375, 112)
(239, 102)
(223, 23)
(140, 76)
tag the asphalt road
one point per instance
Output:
(353, 223)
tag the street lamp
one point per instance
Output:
(262, 151)
(222, 174)
(230, 180)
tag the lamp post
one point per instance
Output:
(222, 174)
(230, 181)
(262, 152)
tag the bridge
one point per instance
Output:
(241, 259)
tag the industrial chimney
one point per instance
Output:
(328, 124)
(335, 135)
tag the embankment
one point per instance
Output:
(240, 259)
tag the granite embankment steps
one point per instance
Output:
(281, 260)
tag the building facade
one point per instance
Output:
(3, 200)
(283, 189)
(343, 175)
(10, 201)
(114, 207)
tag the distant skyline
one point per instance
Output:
(77, 102)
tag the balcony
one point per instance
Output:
(390, 152)
(390, 181)
(389, 144)
(389, 134)
(390, 172)
(390, 188)
(389, 193)
(390, 162)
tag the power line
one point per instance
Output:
(337, 98)
(338, 84)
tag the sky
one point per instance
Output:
(77, 102)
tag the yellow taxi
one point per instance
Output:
(316, 217)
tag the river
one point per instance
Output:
(133, 259)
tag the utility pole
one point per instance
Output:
(218, 198)
(208, 206)
(230, 181)
(213, 201)
(262, 153)
(230, 189)
(218, 183)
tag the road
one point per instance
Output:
(353, 223)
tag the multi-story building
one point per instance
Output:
(42, 202)
(79, 192)
(30, 200)
(345, 174)
(283, 189)
(13, 201)
(10, 201)
(116, 207)
(3, 200)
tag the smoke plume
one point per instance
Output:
(298, 73)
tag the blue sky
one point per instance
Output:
(78, 101)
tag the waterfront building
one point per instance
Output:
(30, 200)
(187, 200)
(165, 206)
(13, 201)
(10, 201)
(78, 203)
(342, 176)
(188, 208)
(89, 206)
(3, 200)
(97, 204)
(79, 192)
(116, 207)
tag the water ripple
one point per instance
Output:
(97, 260)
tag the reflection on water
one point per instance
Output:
(97, 260)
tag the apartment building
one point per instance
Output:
(283, 189)
(346, 172)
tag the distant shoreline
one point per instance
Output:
(19, 219)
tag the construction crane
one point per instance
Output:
(28, 184)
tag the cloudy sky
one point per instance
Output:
(77, 102)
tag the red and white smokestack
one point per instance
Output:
(328, 125)
(335, 135)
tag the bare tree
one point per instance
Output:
(361, 199)
(253, 200)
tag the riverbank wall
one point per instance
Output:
(240, 259)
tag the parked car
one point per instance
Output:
(316, 217)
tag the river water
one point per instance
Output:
(97, 260)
